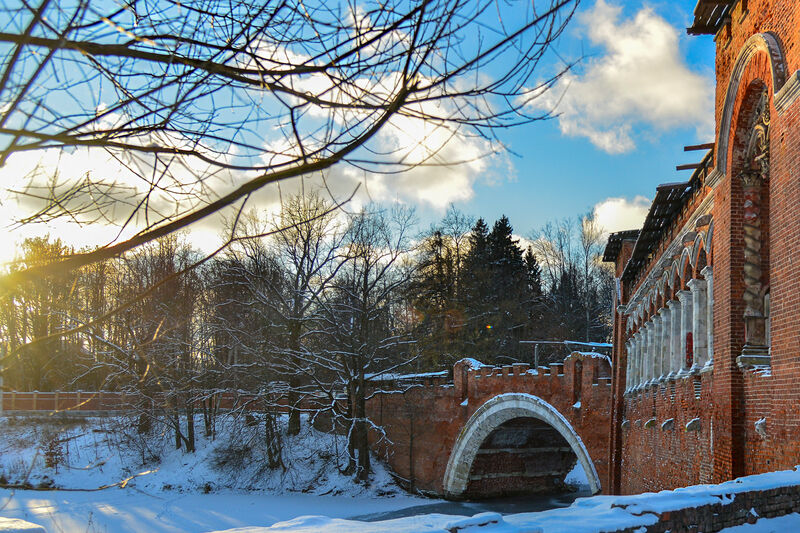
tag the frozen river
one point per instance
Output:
(132, 510)
(511, 505)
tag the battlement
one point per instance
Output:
(579, 372)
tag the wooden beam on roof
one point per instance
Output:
(693, 147)
(702, 30)
(691, 166)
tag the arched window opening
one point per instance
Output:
(752, 172)
(702, 262)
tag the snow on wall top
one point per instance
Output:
(400, 377)
(473, 364)
(595, 355)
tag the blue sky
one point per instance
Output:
(557, 175)
(643, 90)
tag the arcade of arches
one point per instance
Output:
(707, 312)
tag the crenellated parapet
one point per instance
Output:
(420, 423)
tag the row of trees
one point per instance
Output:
(307, 305)
(199, 106)
(480, 293)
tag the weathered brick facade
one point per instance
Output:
(421, 427)
(707, 319)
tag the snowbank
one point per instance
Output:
(781, 524)
(95, 452)
(585, 515)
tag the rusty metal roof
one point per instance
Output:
(614, 244)
(709, 16)
(670, 199)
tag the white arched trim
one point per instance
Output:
(686, 255)
(675, 275)
(760, 42)
(710, 242)
(666, 282)
(492, 414)
(699, 242)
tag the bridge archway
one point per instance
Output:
(489, 417)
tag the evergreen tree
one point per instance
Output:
(533, 274)
(475, 291)
(496, 293)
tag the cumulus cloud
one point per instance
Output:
(639, 80)
(411, 160)
(618, 214)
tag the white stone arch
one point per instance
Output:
(761, 42)
(710, 243)
(699, 242)
(675, 274)
(686, 255)
(492, 414)
(666, 284)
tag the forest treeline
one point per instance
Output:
(311, 302)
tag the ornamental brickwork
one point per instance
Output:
(707, 318)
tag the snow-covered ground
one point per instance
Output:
(156, 488)
(585, 515)
(125, 510)
(782, 524)
(225, 485)
(131, 510)
(165, 489)
(91, 453)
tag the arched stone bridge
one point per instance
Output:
(495, 431)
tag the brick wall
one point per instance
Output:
(421, 424)
(748, 419)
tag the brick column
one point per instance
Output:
(674, 339)
(685, 298)
(628, 365)
(699, 317)
(655, 358)
(632, 360)
(708, 274)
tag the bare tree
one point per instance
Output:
(576, 283)
(591, 238)
(362, 334)
(306, 244)
(201, 104)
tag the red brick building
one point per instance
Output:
(706, 377)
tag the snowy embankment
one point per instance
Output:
(156, 488)
(586, 515)
(89, 453)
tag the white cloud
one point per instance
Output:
(639, 80)
(619, 214)
(410, 160)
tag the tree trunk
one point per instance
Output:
(272, 438)
(351, 432)
(360, 433)
(294, 384)
(176, 421)
(190, 442)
